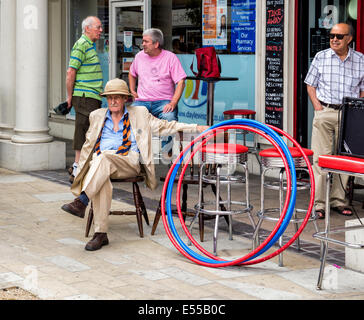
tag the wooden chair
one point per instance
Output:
(138, 202)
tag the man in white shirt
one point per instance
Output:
(335, 73)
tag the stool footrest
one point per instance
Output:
(274, 185)
(265, 215)
(199, 209)
(211, 179)
(323, 237)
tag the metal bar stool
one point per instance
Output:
(271, 160)
(243, 114)
(220, 154)
(342, 165)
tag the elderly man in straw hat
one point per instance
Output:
(118, 145)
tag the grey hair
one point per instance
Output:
(156, 35)
(87, 22)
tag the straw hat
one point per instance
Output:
(116, 86)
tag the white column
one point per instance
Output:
(31, 147)
(7, 68)
(31, 125)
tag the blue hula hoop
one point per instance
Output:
(292, 200)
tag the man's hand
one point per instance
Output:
(69, 102)
(70, 81)
(134, 93)
(315, 102)
(169, 107)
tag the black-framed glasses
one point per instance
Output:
(338, 36)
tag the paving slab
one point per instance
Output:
(42, 251)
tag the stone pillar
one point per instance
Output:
(7, 67)
(31, 125)
(31, 147)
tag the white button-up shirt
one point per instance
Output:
(335, 79)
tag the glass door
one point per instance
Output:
(126, 28)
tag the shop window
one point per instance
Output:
(228, 25)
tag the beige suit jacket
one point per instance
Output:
(144, 126)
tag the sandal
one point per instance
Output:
(320, 214)
(345, 211)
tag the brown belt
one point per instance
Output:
(332, 106)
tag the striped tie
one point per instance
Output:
(125, 146)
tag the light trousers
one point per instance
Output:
(156, 109)
(325, 131)
(97, 184)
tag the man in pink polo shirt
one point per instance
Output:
(161, 80)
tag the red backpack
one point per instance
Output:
(208, 63)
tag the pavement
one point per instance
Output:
(42, 251)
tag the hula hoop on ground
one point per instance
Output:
(267, 132)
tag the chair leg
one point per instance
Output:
(142, 205)
(89, 221)
(139, 211)
(157, 216)
(184, 198)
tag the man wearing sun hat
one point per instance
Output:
(118, 145)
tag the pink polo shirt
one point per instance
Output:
(157, 76)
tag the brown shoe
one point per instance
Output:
(77, 208)
(98, 240)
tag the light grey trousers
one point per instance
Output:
(97, 184)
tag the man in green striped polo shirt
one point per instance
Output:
(84, 82)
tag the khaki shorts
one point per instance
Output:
(83, 107)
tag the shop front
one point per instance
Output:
(268, 45)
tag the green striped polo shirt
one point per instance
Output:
(85, 60)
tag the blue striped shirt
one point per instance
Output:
(111, 140)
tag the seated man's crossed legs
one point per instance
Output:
(97, 187)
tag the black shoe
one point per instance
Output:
(77, 208)
(98, 240)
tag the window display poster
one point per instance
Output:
(214, 23)
(243, 16)
(128, 41)
(126, 63)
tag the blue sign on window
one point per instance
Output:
(243, 15)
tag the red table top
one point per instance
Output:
(239, 112)
(345, 163)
